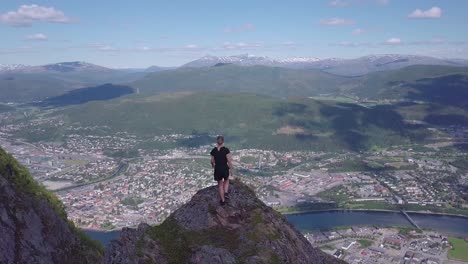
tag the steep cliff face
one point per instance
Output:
(33, 223)
(243, 231)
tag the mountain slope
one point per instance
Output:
(201, 231)
(414, 83)
(282, 82)
(253, 121)
(80, 96)
(35, 83)
(33, 223)
(378, 63)
(344, 67)
(279, 82)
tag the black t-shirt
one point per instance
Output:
(220, 156)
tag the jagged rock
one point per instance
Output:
(210, 254)
(201, 231)
(33, 228)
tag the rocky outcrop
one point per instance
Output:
(34, 229)
(201, 231)
(33, 223)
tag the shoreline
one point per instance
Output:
(375, 210)
(316, 211)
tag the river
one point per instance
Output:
(449, 225)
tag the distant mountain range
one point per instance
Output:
(250, 60)
(345, 67)
(75, 66)
(291, 77)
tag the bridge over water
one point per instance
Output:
(410, 219)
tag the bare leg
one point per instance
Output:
(226, 185)
(221, 189)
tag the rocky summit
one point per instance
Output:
(33, 223)
(245, 230)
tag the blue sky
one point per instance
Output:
(170, 33)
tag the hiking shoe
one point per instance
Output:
(222, 203)
(226, 195)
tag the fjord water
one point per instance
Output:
(447, 225)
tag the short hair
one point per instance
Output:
(220, 137)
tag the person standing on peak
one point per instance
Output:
(221, 161)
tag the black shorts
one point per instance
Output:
(221, 173)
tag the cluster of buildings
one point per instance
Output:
(105, 187)
(382, 245)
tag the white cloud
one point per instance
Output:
(144, 48)
(191, 46)
(242, 28)
(38, 36)
(102, 47)
(349, 44)
(242, 45)
(335, 21)
(345, 3)
(434, 12)
(289, 43)
(358, 31)
(339, 3)
(393, 41)
(26, 15)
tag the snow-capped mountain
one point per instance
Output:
(249, 60)
(299, 60)
(73, 66)
(373, 63)
(242, 60)
(11, 67)
(61, 67)
(346, 67)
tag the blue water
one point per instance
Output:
(449, 225)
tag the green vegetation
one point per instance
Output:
(459, 249)
(127, 153)
(257, 218)
(6, 108)
(132, 201)
(21, 179)
(280, 82)
(365, 243)
(249, 121)
(275, 259)
(405, 230)
(76, 162)
(107, 226)
(348, 165)
(85, 239)
(28, 87)
(177, 242)
(336, 194)
(327, 247)
(398, 84)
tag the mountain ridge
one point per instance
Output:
(201, 231)
(339, 66)
(34, 224)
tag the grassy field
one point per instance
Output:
(365, 243)
(459, 250)
(76, 162)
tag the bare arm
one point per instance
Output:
(212, 162)
(229, 158)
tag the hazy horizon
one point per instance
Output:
(120, 34)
